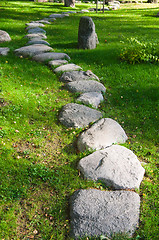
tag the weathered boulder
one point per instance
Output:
(102, 134)
(38, 41)
(69, 3)
(4, 51)
(85, 86)
(115, 166)
(50, 56)
(78, 76)
(78, 116)
(87, 37)
(32, 50)
(67, 67)
(36, 30)
(94, 213)
(57, 62)
(35, 35)
(92, 98)
(4, 36)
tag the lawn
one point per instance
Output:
(39, 157)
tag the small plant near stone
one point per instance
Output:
(137, 51)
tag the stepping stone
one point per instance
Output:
(92, 98)
(57, 62)
(50, 56)
(66, 14)
(78, 76)
(42, 21)
(50, 19)
(4, 36)
(84, 11)
(67, 67)
(56, 15)
(78, 116)
(115, 166)
(4, 51)
(34, 25)
(85, 86)
(35, 35)
(102, 134)
(69, 12)
(94, 213)
(38, 41)
(36, 30)
(32, 50)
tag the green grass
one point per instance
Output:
(38, 155)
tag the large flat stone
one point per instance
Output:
(35, 35)
(55, 63)
(34, 25)
(56, 15)
(102, 134)
(92, 98)
(4, 36)
(94, 213)
(42, 21)
(85, 86)
(4, 51)
(50, 56)
(67, 67)
(115, 166)
(32, 50)
(38, 41)
(78, 116)
(36, 30)
(78, 76)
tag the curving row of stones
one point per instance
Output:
(93, 212)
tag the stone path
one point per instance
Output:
(93, 212)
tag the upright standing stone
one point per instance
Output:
(87, 37)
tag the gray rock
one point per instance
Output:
(115, 166)
(54, 15)
(94, 213)
(38, 41)
(85, 86)
(92, 98)
(78, 76)
(32, 50)
(50, 19)
(35, 35)
(102, 134)
(41, 21)
(87, 37)
(69, 3)
(78, 116)
(85, 10)
(67, 67)
(57, 62)
(4, 36)
(34, 25)
(69, 12)
(4, 51)
(50, 56)
(36, 30)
